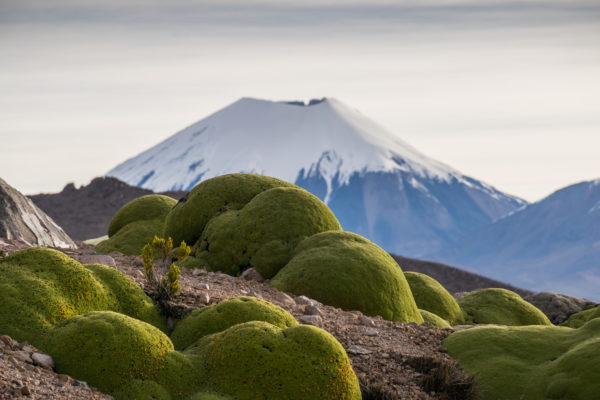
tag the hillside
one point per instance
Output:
(550, 245)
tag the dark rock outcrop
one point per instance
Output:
(558, 307)
(21, 219)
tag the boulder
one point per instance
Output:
(21, 219)
(558, 307)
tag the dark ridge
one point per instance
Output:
(454, 279)
(86, 212)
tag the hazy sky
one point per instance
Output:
(506, 92)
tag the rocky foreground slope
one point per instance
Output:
(392, 360)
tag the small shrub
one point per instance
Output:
(160, 271)
(376, 391)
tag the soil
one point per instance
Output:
(392, 360)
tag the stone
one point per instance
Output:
(314, 320)
(23, 220)
(371, 332)
(27, 349)
(64, 378)
(22, 356)
(251, 274)
(303, 300)
(366, 321)
(83, 384)
(558, 307)
(97, 259)
(25, 391)
(43, 360)
(7, 340)
(312, 310)
(354, 349)
(204, 298)
(202, 286)
(285, 299)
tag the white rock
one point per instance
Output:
(303, 300)
(43, 360)
(251, 274)
(371, 332)
(204, 298)
(314, 320)
(202, 286)
(312, 310)
(354, 349)
(366, 321)
(285, 299)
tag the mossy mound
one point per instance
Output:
(345, 270)
(126, 295)
(264, 232)
(259, 360)
(531, 362)
(136, 224)
(218, 317)
(109, 350)
(430, 295)
(434, 320)
(210, 396)
(40, 287)
(138, 389)
(186, 221)
(580, 318)
(500, 306)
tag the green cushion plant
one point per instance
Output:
(136, 224)
(430, 295)
(434, 320)
(580, 318)
(345, 270)
(218, 317)
(531, 362)
(500, 306)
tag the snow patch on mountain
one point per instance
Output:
(280, 139)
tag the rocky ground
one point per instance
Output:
(392, 360)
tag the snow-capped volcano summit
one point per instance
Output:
(377, 185)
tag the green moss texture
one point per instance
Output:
(580, 318)
(297, 363)
(108, 349)
(186, 221)
(434, 320)
(218, 317)
(40, 287)
(430, 295)
(136, 224)
(264, 232)
(76, 314)
(500, 306)
(531, 362)
(345, 270)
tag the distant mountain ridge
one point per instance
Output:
(377, 185)
(550, 245)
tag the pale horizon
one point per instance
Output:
(505, 93)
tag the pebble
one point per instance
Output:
(204, 298)
(312, 310)
(371, 332)
(251, 274)
(22, 356)
(63, 378)
(285, 299)
(25, 390)
(366, 321)
(27, 349)
(303, 300)
(43, 360)
(202, 286)
(198, 271)
(354, 349)
(7, 340)
(314, 320)
(81, 383)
